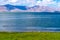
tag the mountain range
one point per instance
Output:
(12, 8)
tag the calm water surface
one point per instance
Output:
(18, 21)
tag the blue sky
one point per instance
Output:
(31, 2)
(57, 0)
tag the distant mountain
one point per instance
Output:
(12, 8)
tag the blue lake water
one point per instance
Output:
(29, 21)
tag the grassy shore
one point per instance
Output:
(29, 35)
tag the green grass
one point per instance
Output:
(29, 35)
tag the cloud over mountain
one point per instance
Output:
(37, 8)
(30, 5)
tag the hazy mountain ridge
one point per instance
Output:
(11, 8)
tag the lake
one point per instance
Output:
(29, 21)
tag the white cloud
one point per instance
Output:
(24, 2)
(3, 2)
(30, 3)
(13, 1)
(58, 4)
(45, 2)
